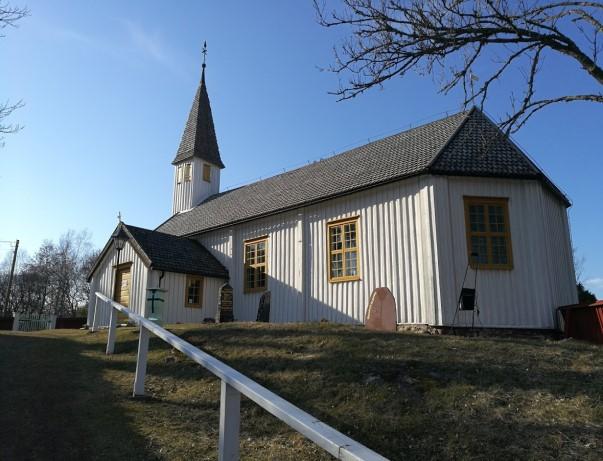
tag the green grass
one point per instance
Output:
(407, 396)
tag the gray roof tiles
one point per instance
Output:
(466, 143)
(176, 254)
(199, 136)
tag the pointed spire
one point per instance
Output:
(199, 137)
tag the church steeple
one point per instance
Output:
(199, 137)
(197, 164)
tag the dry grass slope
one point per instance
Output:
(404, 395)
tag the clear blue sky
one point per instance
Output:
(108, 86)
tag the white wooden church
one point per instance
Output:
(409, 212)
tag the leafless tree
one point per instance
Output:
(579, 263)
(468, 44)
(9, 15)
(53, 280)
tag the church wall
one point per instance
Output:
(397, 251)
(284, 278)
(542, 277)
(175, 310)
(103, 280)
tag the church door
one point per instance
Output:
(121, 292)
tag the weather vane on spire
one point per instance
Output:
(204, 52)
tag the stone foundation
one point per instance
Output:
(480, 331)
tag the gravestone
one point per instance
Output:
(225, 306)
(264, 308)
(381, 312)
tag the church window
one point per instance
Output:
(179, 174)
(194, 291)
(343, 255)
(188, 172)
(488, 233)
(256, 257)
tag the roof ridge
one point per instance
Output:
(454, 135)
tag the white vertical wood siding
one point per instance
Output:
(542, 277)
(397, 251)
(412, 240)
(191, 193)
(104, 278)
(175, 310)
(283, 280)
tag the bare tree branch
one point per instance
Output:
(9, 15)
(389, 38)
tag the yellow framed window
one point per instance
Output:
(344, 251)
(194, 291)
(206, 172)
(488, 233)
(256, 257)
(188, 172)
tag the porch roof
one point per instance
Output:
(165, 252)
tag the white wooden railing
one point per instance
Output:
(233, 385)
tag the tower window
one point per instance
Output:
(179, 174)
(206, 172)
(188, 172)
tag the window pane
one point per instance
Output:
(336, 265)
(351, 263)
(350, 235)
(499, 250)
(477, 222)
(496, 218)
(335, 237)
(261, 252)
(479, 245)
(250, 277)
(194, 290)
(250, 253)
(261, 277)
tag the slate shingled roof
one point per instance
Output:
(199, 136)
(176, 254)
(165, 252)
(467, 143)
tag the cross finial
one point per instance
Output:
(119, 216)
(204, 52)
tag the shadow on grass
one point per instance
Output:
(55, 404)
(407, 395)
(354, 353)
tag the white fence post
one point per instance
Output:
(332, 441)
(230, 421)
(141, 361)
(16, 322)
(95, 317)
(112, 328)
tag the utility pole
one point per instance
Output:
(10, 278)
